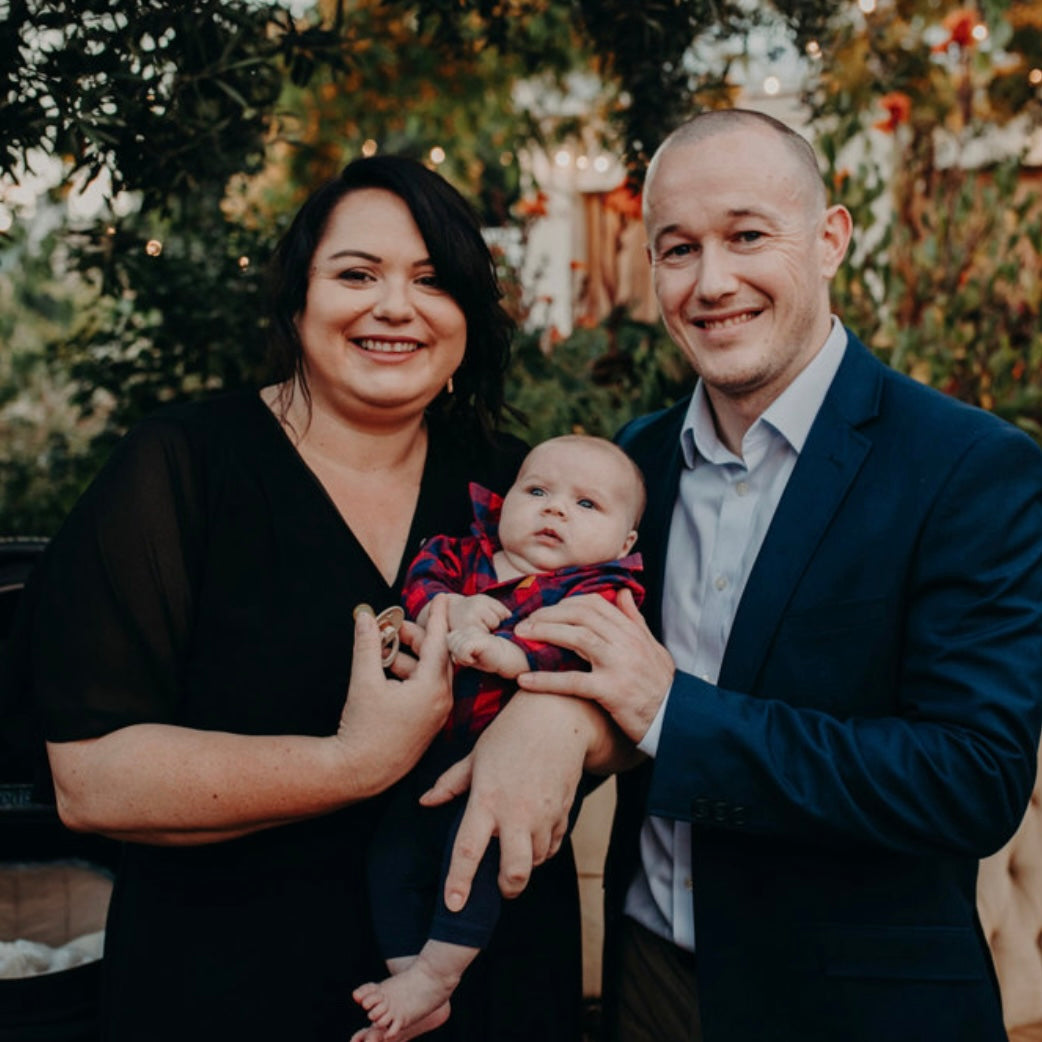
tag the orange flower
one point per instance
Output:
(623, 200)
(960, 25)
(1018, 369)
(840, 179)
(898, 106)
(534, 206)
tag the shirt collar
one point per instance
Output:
(790, 415)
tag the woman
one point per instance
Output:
(193, 635)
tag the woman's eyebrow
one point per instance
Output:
(425, 262)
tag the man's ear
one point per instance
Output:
(836, 230)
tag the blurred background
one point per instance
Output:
(150, 154)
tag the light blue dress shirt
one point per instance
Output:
(724, 507)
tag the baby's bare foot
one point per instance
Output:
(418, 988)
(421, 1027)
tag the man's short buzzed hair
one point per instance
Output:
(720, 121)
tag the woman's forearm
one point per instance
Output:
(162, 784)
(166, 784)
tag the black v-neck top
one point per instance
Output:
(206, 579)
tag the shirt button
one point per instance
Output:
(720, 582)
(742, 488)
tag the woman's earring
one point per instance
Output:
(449, 387)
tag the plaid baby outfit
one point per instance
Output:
(465, 565)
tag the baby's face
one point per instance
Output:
(572, 504)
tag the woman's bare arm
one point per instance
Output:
(172, 785)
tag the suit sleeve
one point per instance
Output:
(946, 762)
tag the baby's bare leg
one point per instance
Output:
(417, 992)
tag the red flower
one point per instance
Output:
(898, 106)
(534, 206)
(960, 25)
(623, 200)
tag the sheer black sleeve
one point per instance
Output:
(114, 593)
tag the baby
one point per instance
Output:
(565, 527)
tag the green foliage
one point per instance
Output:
(216, 115)
(944, 282)
(596, 379)
(180, 104)
(167, 118)
(44, 439)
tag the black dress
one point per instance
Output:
(206, 580)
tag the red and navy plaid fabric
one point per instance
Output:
(464, 565)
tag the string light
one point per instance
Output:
(867, 6)
(153, 247)
(563, 158)
(980, 32)
(244, 263)
(601, 164)
(437, 155)
(771, 85)
(369, 147)
(813, 49)
(1035, 77)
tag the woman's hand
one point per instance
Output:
(387, 723)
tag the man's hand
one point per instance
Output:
(630, 672)
(523, 775)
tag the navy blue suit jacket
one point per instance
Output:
(875, 726)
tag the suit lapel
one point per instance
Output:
(830, 460)
(653, 442)
(661, 462)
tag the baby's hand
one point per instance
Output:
(478, 611)
(474, 647)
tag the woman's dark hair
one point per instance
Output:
(462, 261)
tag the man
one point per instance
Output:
(845, 572)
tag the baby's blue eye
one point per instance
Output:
(536, 491)
(588, 504)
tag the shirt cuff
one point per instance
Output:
(649, 743)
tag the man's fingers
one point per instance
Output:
(452, 783)
(516, 860)
(567, 682)
(626, 603)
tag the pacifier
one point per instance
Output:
(389, 621)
